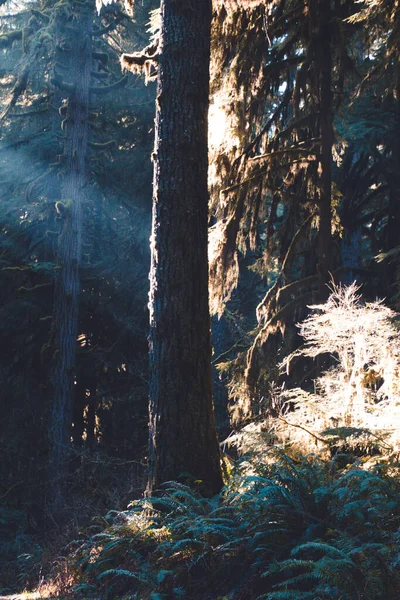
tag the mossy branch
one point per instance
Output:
(40, 15)
(57, 81)
(103, 145)
(104, 89)
(142, 62)
(30, 113)
(19, 89)
(103, 30)
(274, 292)
(63, 208)
(6, 39)
(99, 74)
(23, 288)
(276, 323)
(317, 437)
(101, 57)
(292, 149)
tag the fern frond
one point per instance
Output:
(318, 547)
(118, 573)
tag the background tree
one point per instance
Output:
(108, 409)
(66, 300)
(276, 185)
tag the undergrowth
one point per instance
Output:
(285, 527)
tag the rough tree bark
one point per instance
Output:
(183, 439)
(324, 63)
(66, 300)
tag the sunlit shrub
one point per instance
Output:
(362, 389)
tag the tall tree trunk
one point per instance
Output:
(324, 62)
(182, 431)
(392, 236)
(66, 300)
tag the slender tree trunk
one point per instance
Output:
(183, 440)
(324, 59)
(392, 238)
(393, 223)
(66, 301)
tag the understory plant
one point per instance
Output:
(361, 390)
(283, 527)
(287, 525)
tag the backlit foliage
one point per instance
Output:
(362, 388)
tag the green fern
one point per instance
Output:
(287, 527)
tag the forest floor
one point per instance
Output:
(31, 596)
(23, 596)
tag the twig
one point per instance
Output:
(306, 430)
(10, 489)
